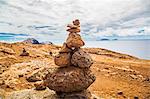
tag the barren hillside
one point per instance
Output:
(118, 75)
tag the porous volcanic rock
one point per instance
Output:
(70, 79)
(74, 40)
(65, 49)
(81, 59)
(63, 59)
(73, 30)
(72, 26)
(76, 22)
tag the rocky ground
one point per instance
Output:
(118, 76)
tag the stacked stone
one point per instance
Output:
(74, 76)
(24, 53)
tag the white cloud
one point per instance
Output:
(98, 17)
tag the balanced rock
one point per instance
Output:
(63, 59)
(65, 49)
(73, 26)
(81, 59)
(74, 77)
(70, 79)
(73, 30)
(76, 22)
(74, 41)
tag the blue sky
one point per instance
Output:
(47, 19)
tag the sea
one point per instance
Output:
(137, 48)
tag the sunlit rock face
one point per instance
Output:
(70, 79)
(45, 19)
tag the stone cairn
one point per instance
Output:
(72, 79)
(24, 53)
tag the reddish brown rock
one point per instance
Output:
(63, 59)
(73, 26)
(81, 59)
(73, 30)
(74, 41)
(24, 53)
(71, 79)
(76, 22)
(65, 49)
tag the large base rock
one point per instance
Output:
(81, 59)
(63, 59)
(71, 79)
(74, 41)
(75, 95)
